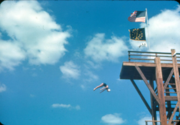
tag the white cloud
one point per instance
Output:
(163, 31)
(77, 107)
(68, 106)
(112, 119)
(70, 70)
(92, 65)
(90, 76)
(11, 55)
(2, 87)
(100, 49)
(61, 106)
(33, 32)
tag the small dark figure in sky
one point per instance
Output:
(106, 87)
(1, 123)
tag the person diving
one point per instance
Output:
(106, 87)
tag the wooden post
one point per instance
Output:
(153, 111)
(176, 75)
(159, 81)
(168, 104)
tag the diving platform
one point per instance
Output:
(160, 72)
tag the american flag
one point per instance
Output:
(137, 16)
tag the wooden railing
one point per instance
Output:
(150, 56)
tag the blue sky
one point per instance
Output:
(53, 54)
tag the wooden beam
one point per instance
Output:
(171, 98)
(147, 84)
(153, 110)
(168, 79)
(176, 75)
(142, 97)
(168, 104)
(159, 81)
(168, 65)
(157, 109)
(174, 111)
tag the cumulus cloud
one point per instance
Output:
(33, 32)
(163, 31)
(68, 106)
(112, 119)
(100, 49)
(90, 76)
(2, 87)
(61, 105)
(70, 70)
(11, 54)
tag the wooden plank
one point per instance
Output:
(174, 111)
(149, 55)
(142, 97)
(157, 109)
(149, 59)
(170, 92)
(168, 79)
(171, 98)
(170, 88)
(147, 84)
(176, 75)
(160, 88)
(172, 83)
(138, 64)
(168, 65)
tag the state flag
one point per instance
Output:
(137, 34)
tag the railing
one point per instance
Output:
(155, 121)
(150, 56)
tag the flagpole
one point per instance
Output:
(147, 28)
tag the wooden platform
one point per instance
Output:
(128, 70)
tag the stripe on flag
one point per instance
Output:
(137, 16)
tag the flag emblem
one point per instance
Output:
(137, 34)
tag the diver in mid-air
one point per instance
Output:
(106, 87)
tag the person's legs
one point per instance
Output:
(99, 86)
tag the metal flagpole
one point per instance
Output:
(147, 28)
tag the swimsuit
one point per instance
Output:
(104, 84)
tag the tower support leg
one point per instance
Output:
(159, 81)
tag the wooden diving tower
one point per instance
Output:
(158, 76)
